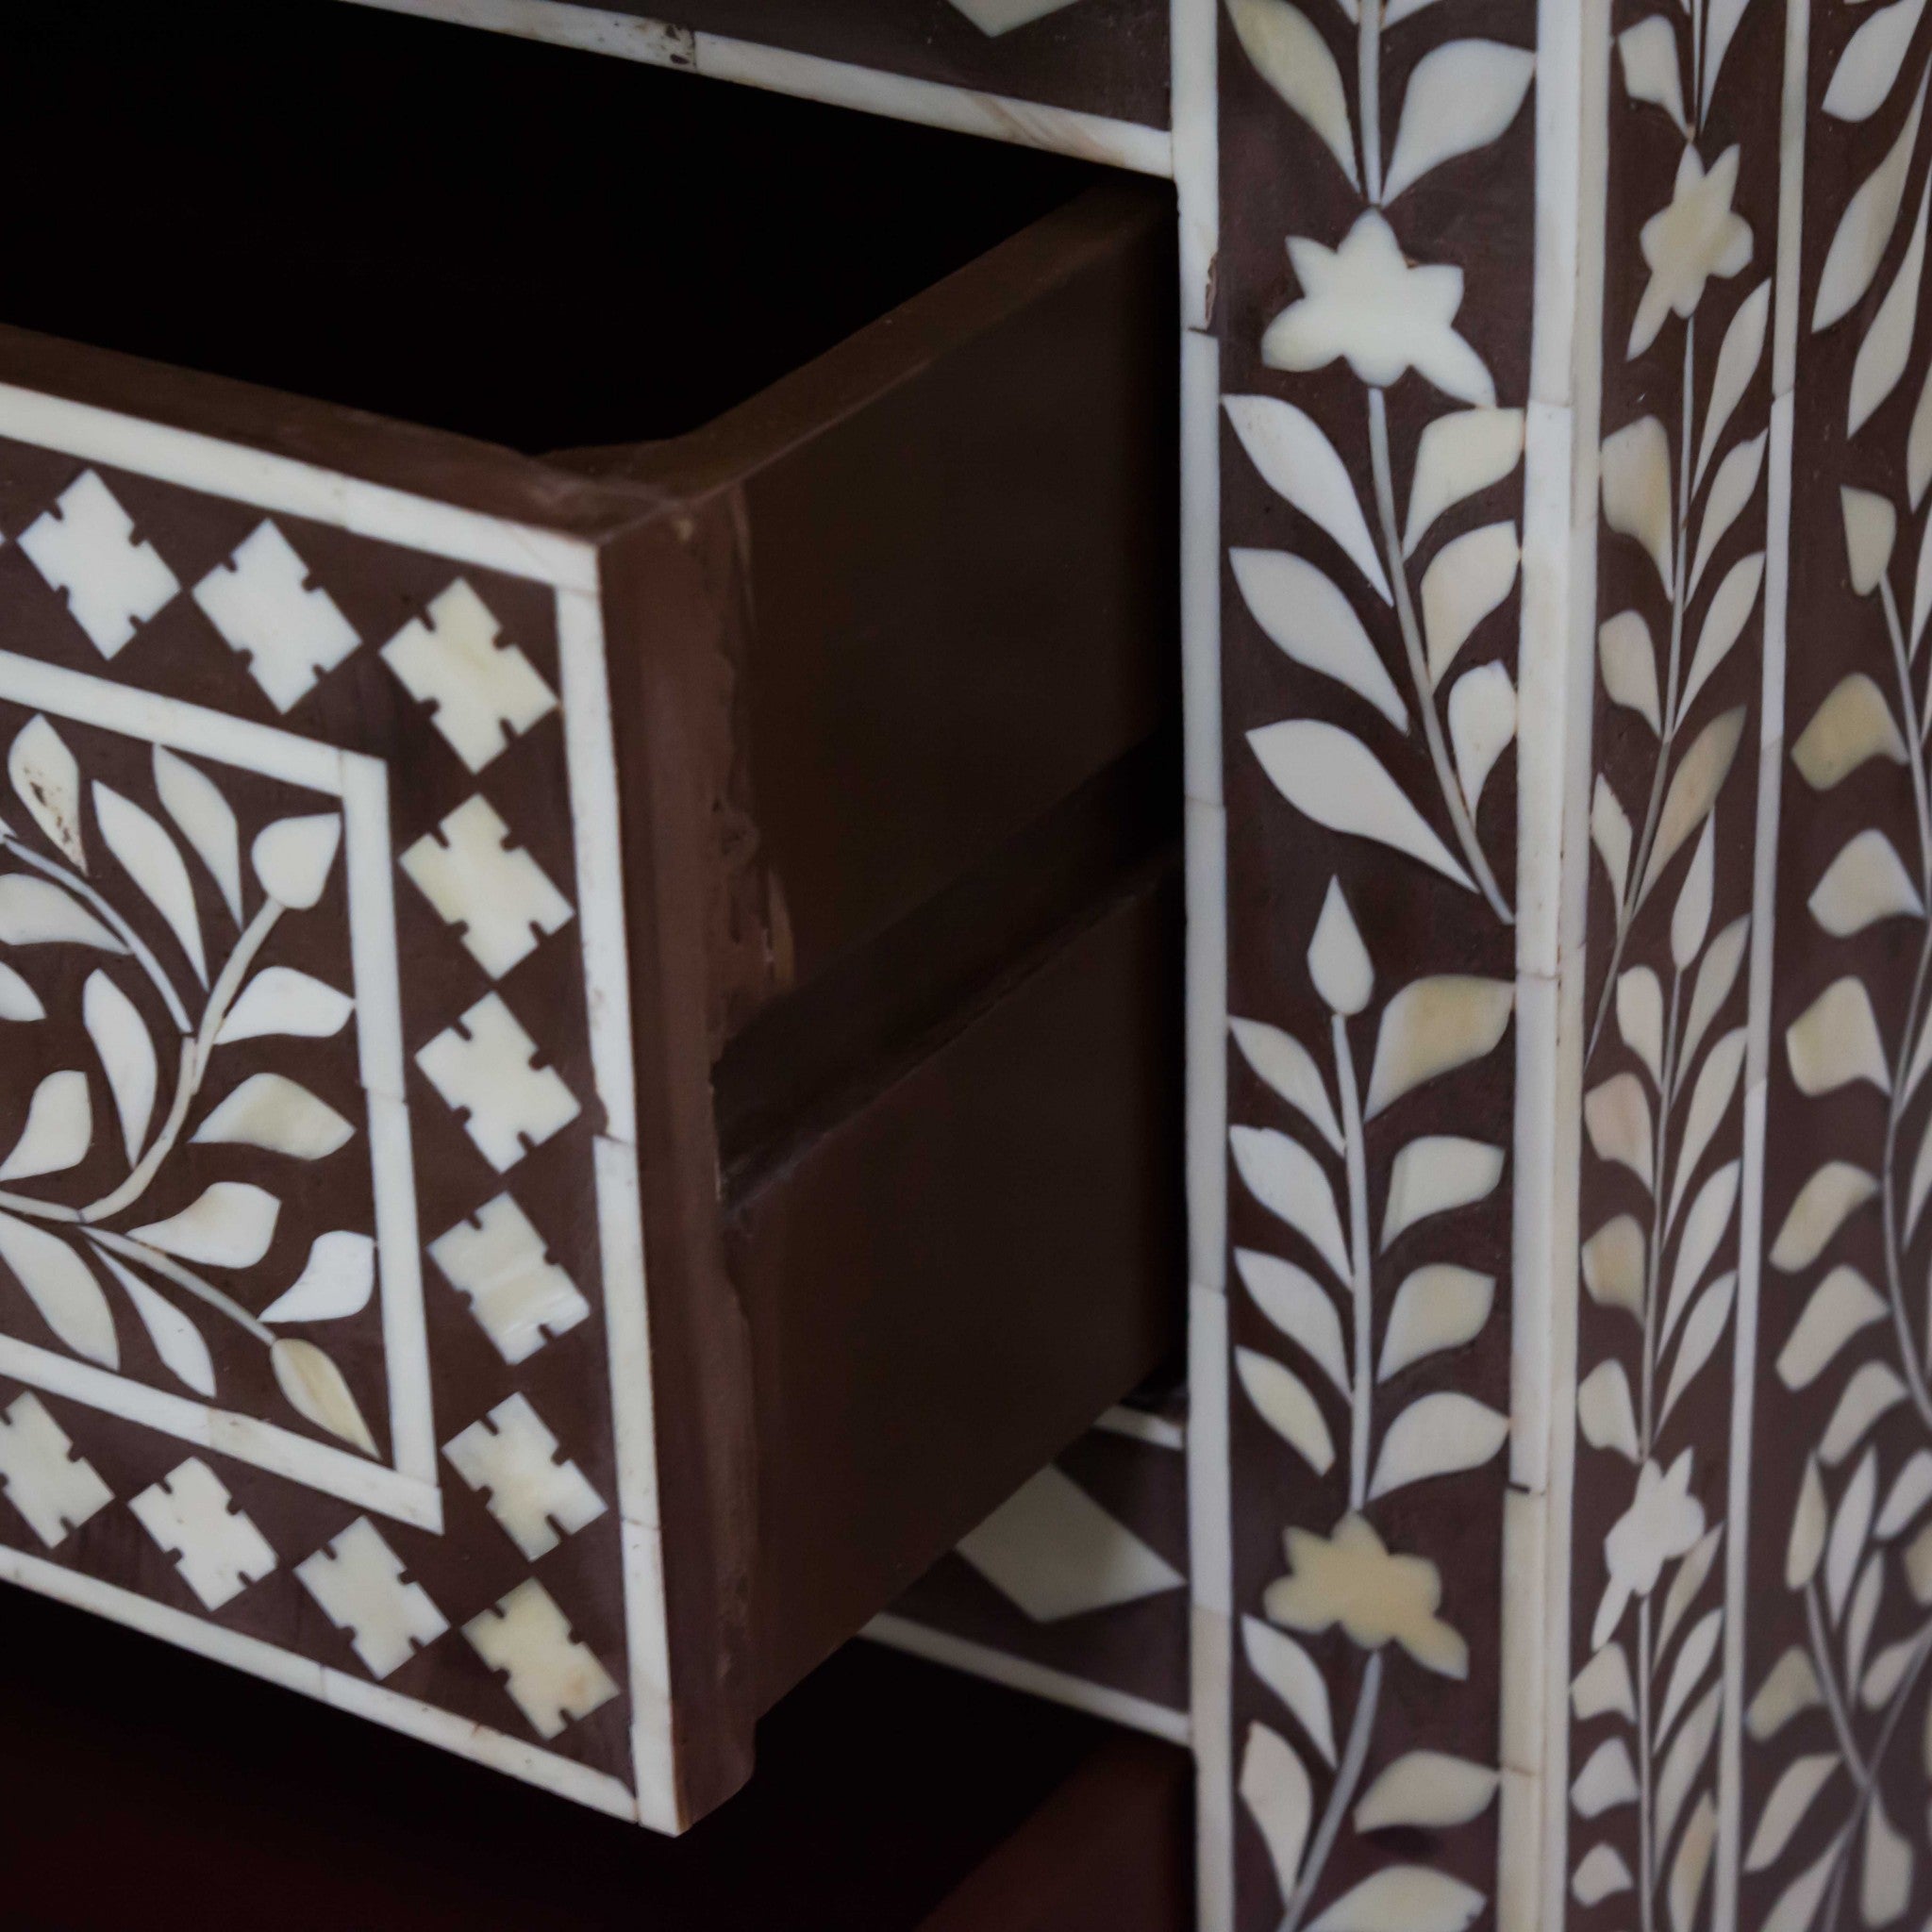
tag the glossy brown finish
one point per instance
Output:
(902, 681)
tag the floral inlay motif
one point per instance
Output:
(1841, 1826)
(1417, 707)
(1665, 1051)
(1352, 1579)
(1366, 302)
(1696, 236)
(1350, 1576)
(170, 908)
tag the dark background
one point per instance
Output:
(140, 1787)
(523, 242)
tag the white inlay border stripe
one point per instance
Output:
(898, 97)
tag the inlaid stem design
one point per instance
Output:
(95, 869)
(1835, 1832)
(1395, 601)
(1682, 569)
(1363, 1343)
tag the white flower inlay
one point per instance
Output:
(1695, 237)
(1663, 1520)
(1366, 302)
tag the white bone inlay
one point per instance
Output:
(484, 1073)
(60, 1129)
(280, 999)
(476, 879)
(552, 1678)
(358, 1579)
(519, 1298)
(85, 546)
(482, 692)
(263, 604)
(512, 1459)
(229, 1225)
(54, 1490)
(273, 1111)
(217, 1550)
(46, 779)
(1055, 1553)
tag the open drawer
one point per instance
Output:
(594, 1066)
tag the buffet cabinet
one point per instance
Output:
(1091, 834)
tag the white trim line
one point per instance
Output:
(172, 722)
(996, 117)
(1193, 36)
(1193, 33)
(1556, 666)
(589, 29)
(285, 487)
(281, 1452)
(981, 1660)
(1777, 537)
(591, 748)
(1211, 1566)
(563, 1775)
(898, 97)
(377, 978)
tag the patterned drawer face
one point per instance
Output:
(323, 1339)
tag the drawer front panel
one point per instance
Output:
(322, 1338)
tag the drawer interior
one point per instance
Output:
(521, 243)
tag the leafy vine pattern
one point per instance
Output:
(96, 871)
(1666, 1044)
(1824, 1833)
(1364, 302)
(1392, 629)
(1349, 1577)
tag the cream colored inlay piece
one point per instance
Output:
(218, 1550)
(552, 1678)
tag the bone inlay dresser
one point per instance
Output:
(593, 1101)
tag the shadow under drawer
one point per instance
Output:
(892, 1797)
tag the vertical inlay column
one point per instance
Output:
(1375, 302)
